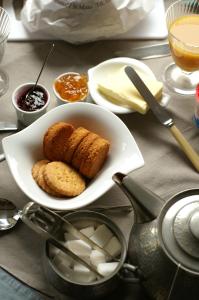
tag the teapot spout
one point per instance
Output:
(146, 204)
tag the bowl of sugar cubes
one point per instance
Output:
(75, 279)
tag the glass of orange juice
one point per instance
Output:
(182, 19)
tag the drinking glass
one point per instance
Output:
(4, 32)
(182, 18)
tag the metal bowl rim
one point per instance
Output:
(119, 235)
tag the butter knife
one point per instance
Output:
(163, 116)
(146, 52)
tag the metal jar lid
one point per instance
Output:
(180, 231)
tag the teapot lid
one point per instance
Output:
(180, 231)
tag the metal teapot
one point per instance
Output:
(164, 241)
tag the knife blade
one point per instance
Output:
(163, 116)
(146, 52)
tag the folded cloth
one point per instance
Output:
(78, 21)
(13, 289)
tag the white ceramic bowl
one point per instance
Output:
(24, 148)
(108, 66)
(28, 117)
(59, 99)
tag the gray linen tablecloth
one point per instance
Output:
(166, 170)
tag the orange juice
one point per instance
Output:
(184, 42)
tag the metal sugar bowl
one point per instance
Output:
(100, 287)
(51, 226)
(164, 241)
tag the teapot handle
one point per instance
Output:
(148, 203)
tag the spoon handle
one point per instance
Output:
(44, 63)
(109, 209)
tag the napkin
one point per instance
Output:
(13, 289)
(82, 21)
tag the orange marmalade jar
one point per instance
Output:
(71, 87)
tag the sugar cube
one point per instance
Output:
(79, 247)
(63, 258)
(82, 274)
(53, 251)
(113, 247)
(88, 231)
(69, 237)
(64, 269)
(107, 269)
(97, 257)
(102, 235)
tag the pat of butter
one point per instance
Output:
(120, 90)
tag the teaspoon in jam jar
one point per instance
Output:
(33, 97)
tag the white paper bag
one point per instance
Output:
(78, 21)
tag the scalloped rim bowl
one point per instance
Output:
(24, 148)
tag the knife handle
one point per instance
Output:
(185, 146)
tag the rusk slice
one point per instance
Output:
(75, 139)
(97, 154)
(42, 183)
(36, 167)
(63, 179)
(55, 140)
(81, 152)
(37, 173)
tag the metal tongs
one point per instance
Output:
(52, 227)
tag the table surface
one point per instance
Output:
(166, 171)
